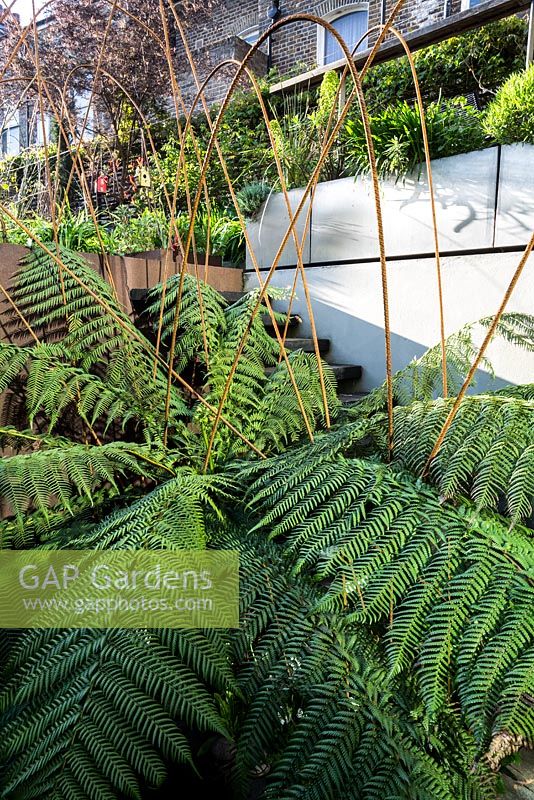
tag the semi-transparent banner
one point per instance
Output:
(119, 589)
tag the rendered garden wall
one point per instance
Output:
(485, 200)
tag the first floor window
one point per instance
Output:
(351, 26)
(38, 133)
(85, 114)
(10, 133)
(250, 35)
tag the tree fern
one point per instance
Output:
(321, 714)
(62, 304)
(200, 306)
(387, 549)
(386, 646)
(95, 712)
(50, 477)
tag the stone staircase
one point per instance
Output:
(347, 375)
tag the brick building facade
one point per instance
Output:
(233, 25)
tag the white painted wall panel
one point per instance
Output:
(515, 210)
(347, 303)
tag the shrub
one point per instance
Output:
(477, 61)
(252, 196)
(510, 117)
(453, 127)
(134, 232)
(299, 131)
(75, 230)
(244, 142)
(226, 238)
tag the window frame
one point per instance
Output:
(332, 16)
(252, 30)
(10, 122)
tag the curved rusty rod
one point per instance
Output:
(78, 167)
(487, 339)
(431, 191)
(200, 97)
(116, 6)
(182, 169)
(214, 142)
(428, 162)
(357, 92)
(173, 229)
(146, 125)
(174, 232)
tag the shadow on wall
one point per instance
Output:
(348, 310)
(358, 341)
(483, 199)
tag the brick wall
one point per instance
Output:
(294, 47)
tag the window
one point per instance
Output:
(36, 134)
(85, 115)
(351, 26)
(10, 133)
(250, 35)
(470, 4)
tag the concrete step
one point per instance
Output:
(294, 322)
(519, 778)
(349, 398)
(233, 297)
(344, 373)
(307, 345)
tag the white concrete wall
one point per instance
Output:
(347, 304)
(477, 205)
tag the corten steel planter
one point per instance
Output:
(141, 271)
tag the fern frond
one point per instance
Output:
(277, 420)
(129, 687)
(422, 378)
(59, 306)
(200, 305)
(12, 361)
(487, 452)
(322, 717)
(44, 479)
(387, 550)
(171, 516)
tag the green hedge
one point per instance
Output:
(510, 117)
